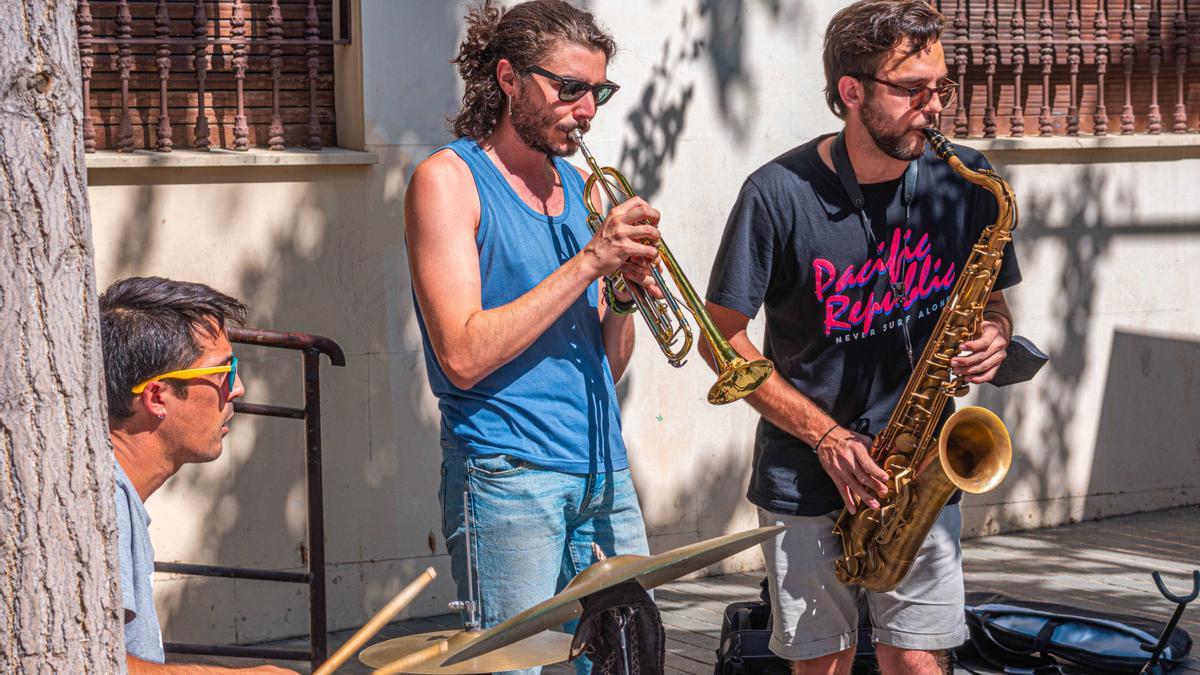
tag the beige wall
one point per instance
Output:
(1107, 243)
(711, 90)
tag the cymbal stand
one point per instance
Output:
(625, 616)
(469, 608)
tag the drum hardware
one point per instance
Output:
(468, 609)
(525, 640)
(424, 652)
(649, 571)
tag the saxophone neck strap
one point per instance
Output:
(845, 173)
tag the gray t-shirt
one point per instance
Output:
(795, 246)
(143, 638)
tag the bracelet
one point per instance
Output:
(824, 435)
(1008, 323)
(617, 306)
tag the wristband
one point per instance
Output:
(1007, 321)
(824, 435)
(617, 306)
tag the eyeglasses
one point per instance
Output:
(193, 373)
(918, 97)
(571, 90)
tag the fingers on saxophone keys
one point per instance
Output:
(863, 492)
(847, 496)
(871, 472)
(981, 370)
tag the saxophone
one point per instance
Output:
(973, 451)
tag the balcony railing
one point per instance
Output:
(175, 73)
(1072, 67)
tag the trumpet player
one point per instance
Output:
(522, 345)
(852, 242)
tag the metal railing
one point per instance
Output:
(311, 346)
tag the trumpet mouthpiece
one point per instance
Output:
(576, 134)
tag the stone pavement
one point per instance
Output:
(1103, 565)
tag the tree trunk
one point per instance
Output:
(59, 605)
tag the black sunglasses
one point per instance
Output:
(918, 97)
(571, 90)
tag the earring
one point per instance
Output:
(509, 106)
(162, 416)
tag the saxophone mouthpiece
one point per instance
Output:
(942, 147)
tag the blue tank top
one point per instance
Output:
(554, 405)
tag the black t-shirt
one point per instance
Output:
(795, 244)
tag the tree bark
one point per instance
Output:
(59, 603)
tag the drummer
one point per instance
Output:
(171, 380)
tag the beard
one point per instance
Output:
(534, 126)
(894, 140)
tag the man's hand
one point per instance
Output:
(846, 457)
(985, 354)
(638, 272)
(621, 241)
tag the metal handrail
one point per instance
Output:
(311, 346)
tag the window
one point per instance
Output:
(201, 74)
(1072, 67)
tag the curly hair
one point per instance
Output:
(860, 37)
(523, 34)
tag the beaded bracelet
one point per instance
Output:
(617, 306)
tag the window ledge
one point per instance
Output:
(1116, 148)
(1111, 142)
(257, 157)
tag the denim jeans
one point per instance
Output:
(532, 529)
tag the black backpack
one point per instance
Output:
(746, 633)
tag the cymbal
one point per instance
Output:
(649, 571)
(538, 650)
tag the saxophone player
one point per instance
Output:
(852, 243)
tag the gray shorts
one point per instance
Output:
(814, 614)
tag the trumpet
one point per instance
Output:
(737, 377)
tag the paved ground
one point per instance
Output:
(1103, 565)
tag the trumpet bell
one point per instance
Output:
(739, 379)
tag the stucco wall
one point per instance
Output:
(711, 90)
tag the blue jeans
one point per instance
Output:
(532, 529)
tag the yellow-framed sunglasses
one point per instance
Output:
(193, 373)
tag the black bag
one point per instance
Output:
(1050, 638)
(746, 634)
